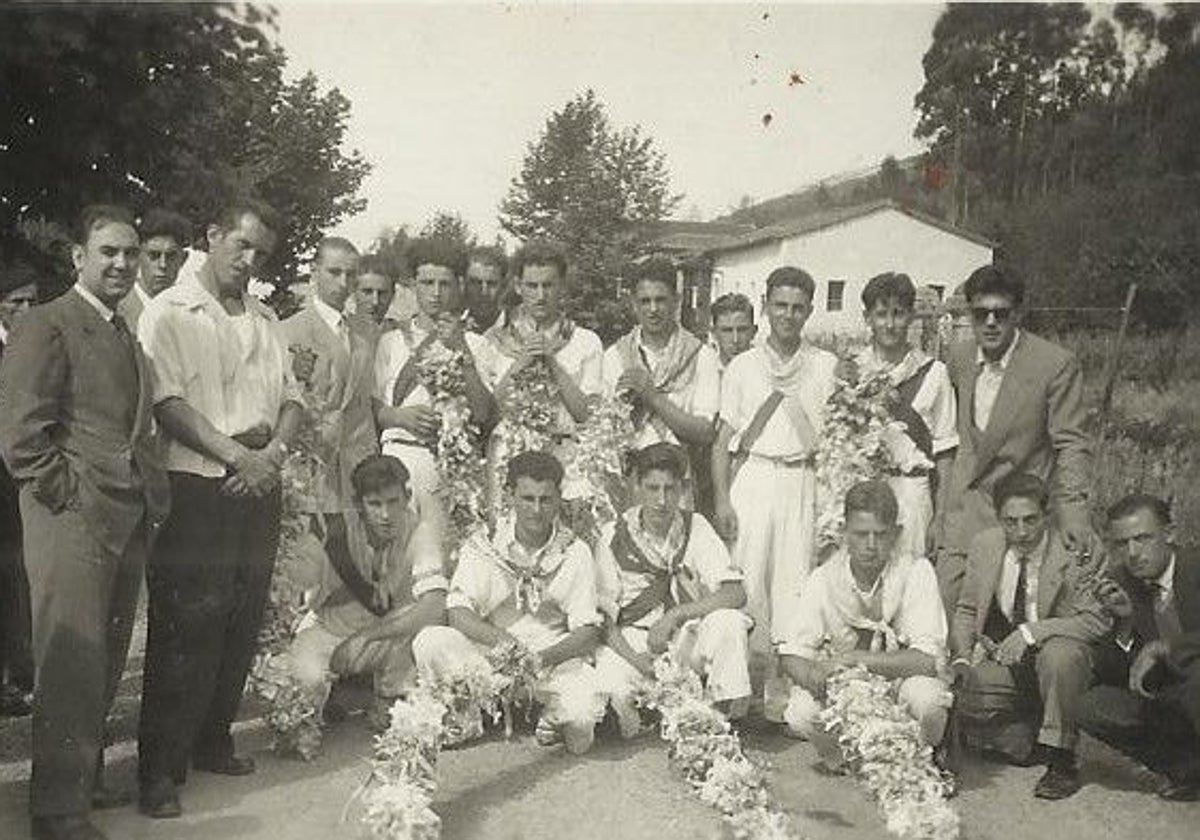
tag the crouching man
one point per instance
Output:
(874, 606)
(531, 582)
(379, 579)
(666, 581)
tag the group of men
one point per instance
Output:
(146, 422)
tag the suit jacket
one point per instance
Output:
(75, 422)
(10, 509)
(130, 308)
(1065, 603)
(1036, 426)
(338, 399)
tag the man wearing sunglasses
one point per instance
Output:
(1020, 409)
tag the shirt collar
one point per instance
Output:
(95, 302)
(328, 314)
(1035, 556)
(1001, 365)
(3, 335)
(141, 293)
(508, 544)
(1166, 581)
(667, 545)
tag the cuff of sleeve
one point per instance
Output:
(574, 622)
(433, 583)
(458, 599)
(1027, 634)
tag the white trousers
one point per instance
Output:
(716, 646)
(569, 693)
(389, 661)
(422, 466)
(916, 512)
(927, 699)
(776, 540)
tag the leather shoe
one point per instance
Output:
(159, 800)
(66, 828)
(1058, 782)
(225, 765)
(104, 798)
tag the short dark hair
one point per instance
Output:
(889, 286)
(540, 252)
(377, 264)
(994, 280)
(378, 472)
(539, 466)
(21, 263)
(432, 250)
(660, 456)
(655, 269)
(230, 216)
(793, 278)
(872, 497)
(159, 221)
(729, 303)
(1138, 502)
(1020, 485)
(98, 215)
(489, 255)
(334, 243)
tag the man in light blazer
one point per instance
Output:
(1020, 636)
(1020, 409)
(75, 432)
(337, 377)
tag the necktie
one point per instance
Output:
(1019, 607)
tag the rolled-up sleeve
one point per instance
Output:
(578, 600)
(425, 550)
(943, 411)
(470, 584)
(804, 628)
(158, 334)
(922, 618)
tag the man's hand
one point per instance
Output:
(1147, 658)
(451, 332)
(304, 362)
(421, 421)
(984, 650)
(1114, 598)
(660, 634)
(1012, 649)
(255, 474)
(960, 671)
(635, 380)
(342, 659)
(726, 520)
(536, 345)
(1076, 529)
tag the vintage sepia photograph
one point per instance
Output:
(552, 420)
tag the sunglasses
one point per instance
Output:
(1001, 313)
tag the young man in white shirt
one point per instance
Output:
(164, 236)
(667, 583)
(531, 581)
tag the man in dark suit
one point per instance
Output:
(1020, 409)
(1019, 641)
(75, 432)
(1147, 697)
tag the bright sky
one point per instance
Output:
(446, 98)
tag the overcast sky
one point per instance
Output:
(446, 99)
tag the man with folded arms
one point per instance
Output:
(666, 583)
(228, 407)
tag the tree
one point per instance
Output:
(449, 226)
(195, 114)
(590, 186)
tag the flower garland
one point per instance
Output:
(708, 753)
(598, 465)
(852, 447)
(882, 742)
(529, 409)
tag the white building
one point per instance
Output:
(842, 249)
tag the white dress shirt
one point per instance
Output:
(988, 380)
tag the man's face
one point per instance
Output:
(735, 333)
(107, 262)
(383, 510)
(539, 287)
(1024, 522)
(994, 321)
(1141, 544)
(236, 254)
(15, 303)
(869, 541)
(334, 274)
(654, 307)
(659, 492)
(787, 309)
(437, 289)
(889, 321)
(162, 257)
(484, 283)
(535, 504)
(373, 295)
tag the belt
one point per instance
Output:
(563, 437)
(916, 472)
(788, 461)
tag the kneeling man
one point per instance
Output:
(531, 582)
(667, 583)
(379, 579)
(874, 606)
(1025, 616)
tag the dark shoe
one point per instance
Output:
(159, 801)
(14, 702)
(104, 798)
(1058, 782)
(1179, 790)
(225, 765)
(66, 828)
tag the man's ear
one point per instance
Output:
(77, 254)
(212, 236)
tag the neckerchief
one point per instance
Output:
(509, 334)
(875, 616)
(670, 584)
(530, 582)
(671, 372)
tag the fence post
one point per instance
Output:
(1113, 365)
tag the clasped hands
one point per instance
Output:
(255, 471)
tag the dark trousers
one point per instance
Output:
(208, 578)
(83, 600)
(16, 655)
(1162, 733)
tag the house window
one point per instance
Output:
(940, 291)
(834, 300)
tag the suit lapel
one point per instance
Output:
(1053, 574)
(991, 583)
